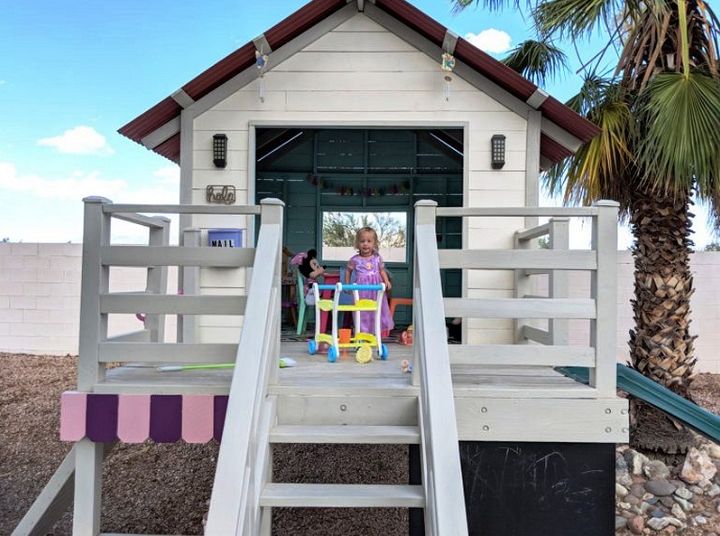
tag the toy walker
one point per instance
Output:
(360, 340)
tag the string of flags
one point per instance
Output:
(343, 189)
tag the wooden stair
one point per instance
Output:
(346, 434)
(343, 496)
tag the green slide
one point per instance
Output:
(634, 383)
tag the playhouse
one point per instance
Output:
(348, 110)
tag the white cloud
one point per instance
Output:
(58, 200)
(169, 175)
(491, 40)
(77, 186)
(79, 140)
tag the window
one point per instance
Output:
(339, 228)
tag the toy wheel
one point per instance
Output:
(383, 352)
(332, 354)
(312, 347)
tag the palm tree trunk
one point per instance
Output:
(661, 346)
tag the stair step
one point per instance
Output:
(343, 496)
(380, 435)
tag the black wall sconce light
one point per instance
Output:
(497, 151)
(220, 150)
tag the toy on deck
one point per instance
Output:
(360, 339)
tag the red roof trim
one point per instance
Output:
(221, 72)
(317, 10)
(303, 19)
(415, 19)
(155, 117)
(566, 118)
(170, 148)
(552, 150)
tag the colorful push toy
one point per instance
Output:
(360, 339)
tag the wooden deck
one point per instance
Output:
(314, 374)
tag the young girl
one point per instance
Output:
(369, 270)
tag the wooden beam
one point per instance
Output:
(177, 256)
(188, 305)
(519, 308)
(249, 210)
(547, 212)
(168, 352)
(506, 259)
(522, 354)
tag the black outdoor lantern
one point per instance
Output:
(220, 150)
(497, 151)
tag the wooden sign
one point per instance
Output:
(222, 194)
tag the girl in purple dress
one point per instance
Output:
(369, 269)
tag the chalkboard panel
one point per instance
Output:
(539, 489)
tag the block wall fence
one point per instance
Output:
(40, 301)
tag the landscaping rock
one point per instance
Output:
(660, 487)
(636, 525)
(620, 522)
(656, 523)
(684, 493)
(697, 467)
(678, 512)
(635, 461)
(655, 469)
(620, 491)
(714, 451)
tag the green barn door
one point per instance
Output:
(334, 179)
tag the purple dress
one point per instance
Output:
(367, 272)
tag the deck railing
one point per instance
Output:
(441, 472)
(600, 308)
(147, 345)
(244, 462)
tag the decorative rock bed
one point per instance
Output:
(652, 498)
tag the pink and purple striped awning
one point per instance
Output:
(105, 418)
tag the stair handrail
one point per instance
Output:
(243, 459)
(442, 475)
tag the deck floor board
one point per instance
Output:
(315, 373)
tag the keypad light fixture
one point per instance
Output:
(220, 150)
(497, 151)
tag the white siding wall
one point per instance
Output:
(362, 73)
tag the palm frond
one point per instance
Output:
(538, 61)
(577, 18)
(601, 168)
(681, 142)
(493, 5)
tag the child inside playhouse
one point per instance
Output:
(368, 268)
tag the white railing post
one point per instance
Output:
(93, 330)
(603, 329)
(522, 286)
(189, 283)
(425, 214)
(95, 281)
(271, 213)
(558, 279)
(157, 278)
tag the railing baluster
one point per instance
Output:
(157, 279)
(558, 279)
(189, 283)
(603, 285)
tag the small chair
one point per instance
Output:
(301, 305)
(394, 302)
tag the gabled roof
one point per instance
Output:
(168, 110)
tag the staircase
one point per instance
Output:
(258, 417)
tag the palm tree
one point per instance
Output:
(659, 147)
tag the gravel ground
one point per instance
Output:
(164, 489)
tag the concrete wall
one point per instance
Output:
(40, 298)
(40, 301)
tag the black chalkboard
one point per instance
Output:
(539, 489)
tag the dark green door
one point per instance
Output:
(371, 173)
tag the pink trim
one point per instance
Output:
(133, 418)
(197, 418)
(73, 414)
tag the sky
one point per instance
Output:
(74, 71)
